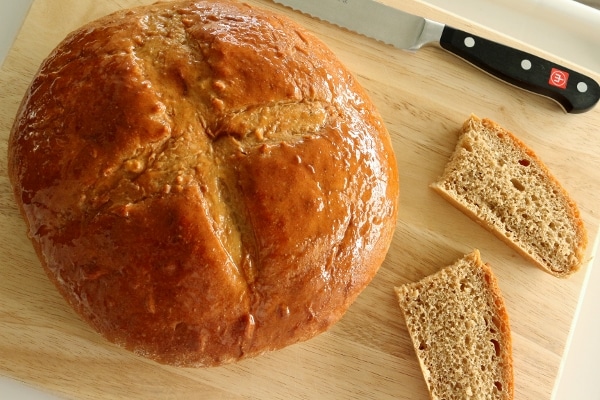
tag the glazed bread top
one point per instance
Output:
(203, 181)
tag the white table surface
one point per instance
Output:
(547, 25)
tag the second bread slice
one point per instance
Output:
(460, 331)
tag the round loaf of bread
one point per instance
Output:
(203, 181)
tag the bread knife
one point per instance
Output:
(573, 91)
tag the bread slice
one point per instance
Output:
(459, 327)
(499, 182)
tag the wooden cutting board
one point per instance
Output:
(424, 97)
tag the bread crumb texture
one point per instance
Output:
(459, 327)
(498, 181)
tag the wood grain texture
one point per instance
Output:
(424, 98)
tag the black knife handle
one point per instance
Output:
(575, 92)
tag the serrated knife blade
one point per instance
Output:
(572, 90)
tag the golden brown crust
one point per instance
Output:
(203, 181)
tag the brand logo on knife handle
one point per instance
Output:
(558, 78)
